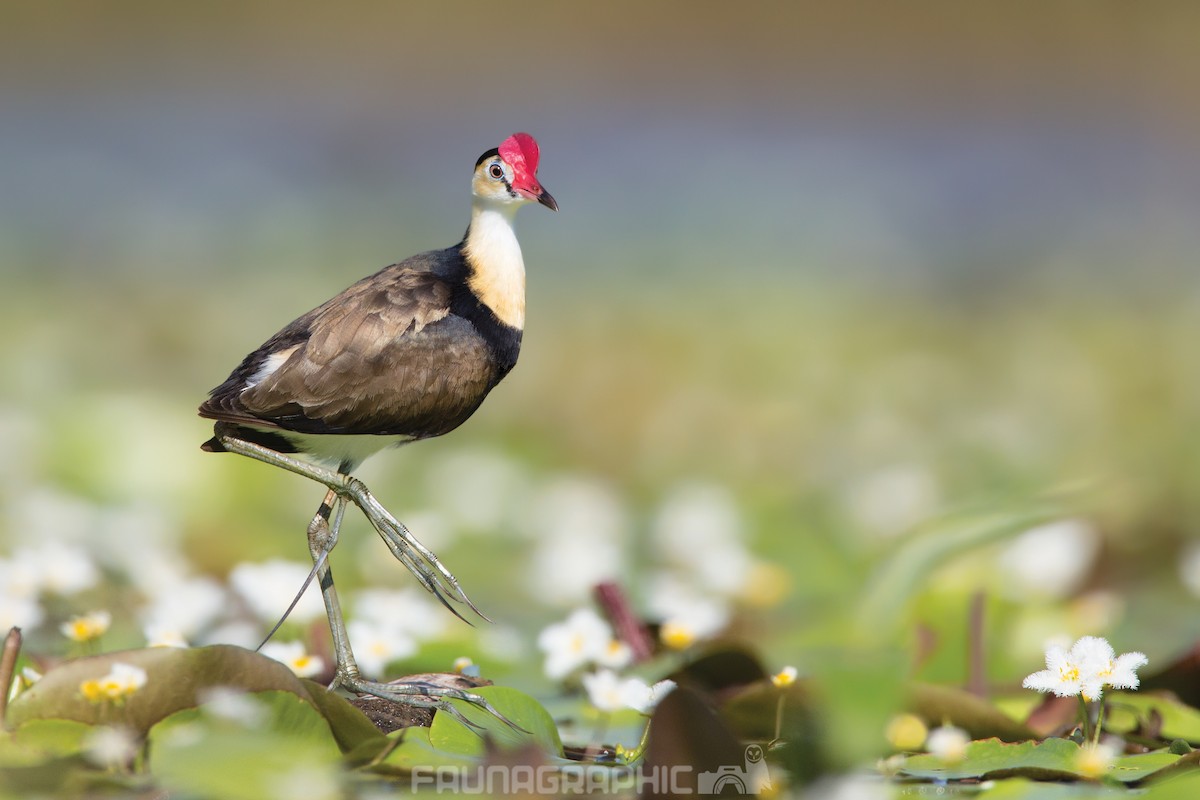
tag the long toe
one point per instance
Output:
(433, 691)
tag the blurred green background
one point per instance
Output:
(822, 272)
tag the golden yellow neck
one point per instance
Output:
(497, 268)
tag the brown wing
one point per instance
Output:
(386, 356)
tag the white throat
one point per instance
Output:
(498, 277)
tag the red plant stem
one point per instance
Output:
(626, 625)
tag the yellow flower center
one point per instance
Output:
(676, 636)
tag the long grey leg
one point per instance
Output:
(419, 560)
(323, 534)
(322, 537)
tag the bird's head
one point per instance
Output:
(508, 174)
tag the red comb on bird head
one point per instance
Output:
(520, 150)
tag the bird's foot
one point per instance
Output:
(426, 691)
(420, 560)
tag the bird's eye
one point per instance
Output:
(496, 171)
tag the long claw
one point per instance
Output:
(428, 695)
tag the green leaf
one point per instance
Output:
(283, 749)
(1053, 759)
(452, 736)
(414, 751)
(176, 680)
(350, 727)
(1023, 789)
(1124, 711)
(41, 739)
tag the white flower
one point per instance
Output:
(476, 489)
(580, 526)
(785, 677)
(121, 681)
(19, 612)
(233, 704)
(584, 638)
(86, 627)
(1085, 669)
(189, 606)
(1094, 761)
(1050, 560)
(269, 587)
(19, 580)
(294, 656)
(376, 646)
(948, 743)
(686, 615)
(607, 691)
(110, 747)
(58, 567)
(161, 636)
(699, 529)
(405, 611)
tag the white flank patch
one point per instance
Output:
(273, 362)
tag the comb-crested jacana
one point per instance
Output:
(407, 353)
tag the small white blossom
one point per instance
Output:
(269, 587)
(948, 743)
(699, 530)
(86, 627)
(294, 656)
(376, 646)
(189, 606)
(686, 615)
(1086, 669)
(121, 681)
(580, 526)
(161, 636)
(19, 612)
(785, 677)
(405, 611)
(110, 747)
(233, 704)
(607, 691)
(1095, 761)
(584, 638)
(1050, 560)
(60, 568)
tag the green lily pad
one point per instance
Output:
(1053, 759)
(452, 736)
(414, 752)
(175, 680)
(41, 739)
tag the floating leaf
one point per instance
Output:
(1053, 759)
(452, 736)
(176, 680)
(414, 752)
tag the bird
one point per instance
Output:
(405, 354)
